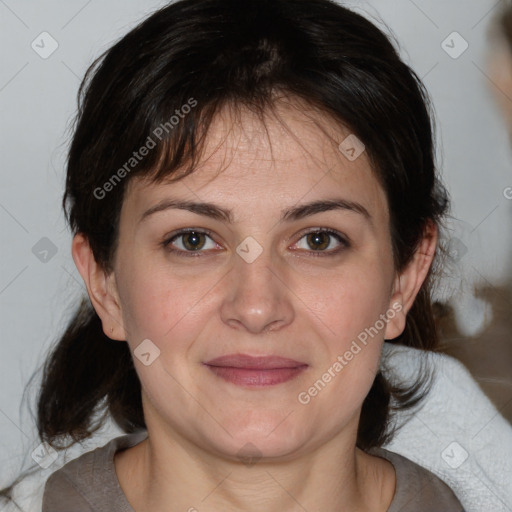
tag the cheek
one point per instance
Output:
(162, 306)
(348, 302)
(353, 318)
(352, 342)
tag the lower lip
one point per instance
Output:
(256, 377)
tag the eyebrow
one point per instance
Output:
(292, 214)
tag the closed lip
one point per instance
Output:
(254, 362)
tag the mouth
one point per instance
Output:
(245, 370)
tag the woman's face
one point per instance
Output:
(258, 285)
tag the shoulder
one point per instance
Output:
(453, 387)
(88, 481)
(456, 432)
(417, 489)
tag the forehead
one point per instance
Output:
(292, 154)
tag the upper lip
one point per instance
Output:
(252, 362)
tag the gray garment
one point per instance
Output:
(89, 483)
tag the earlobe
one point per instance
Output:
(101, 288)
(408, 283)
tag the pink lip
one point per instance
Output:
(245, 370)
(260, 362)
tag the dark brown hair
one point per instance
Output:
(503, 24)
(211, 54)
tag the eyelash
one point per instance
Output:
(194, 254)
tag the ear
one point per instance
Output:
(408, 283)
(101, 288)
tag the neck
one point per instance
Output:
(168, 473)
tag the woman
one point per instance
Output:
(255, 209)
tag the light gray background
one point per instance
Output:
(38, 100)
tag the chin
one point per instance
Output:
(266, 439)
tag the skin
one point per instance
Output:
(287, 302)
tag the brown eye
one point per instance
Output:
(323, 241)
(189, 242)
(318, 240)
(193, 240)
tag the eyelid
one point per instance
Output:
(342, 238)
(168, 239)
(320, 229)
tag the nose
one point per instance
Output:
(257, 296)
